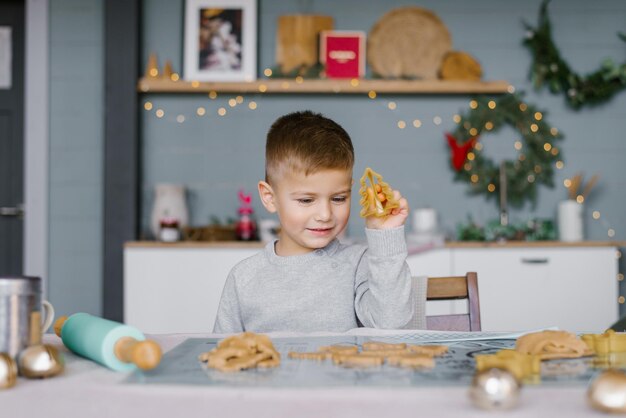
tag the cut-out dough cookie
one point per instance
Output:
(552, 345)
(342, 349)
(377, 345)
(309, 355)
(370, 202)
(242, 351)
(432, 350)
(607, 343)
(413, 360)
(357, 360)
(521, 365)
(376, 353)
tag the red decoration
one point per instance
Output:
(458, 153)
(245, 228)
(343, 53)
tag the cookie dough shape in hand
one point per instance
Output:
(370, 202)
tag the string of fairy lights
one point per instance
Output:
(238, 102)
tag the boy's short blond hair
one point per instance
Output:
(306, 142)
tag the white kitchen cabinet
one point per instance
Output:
(169, 289)
(176, 288)
(573, 288)
(432, 263)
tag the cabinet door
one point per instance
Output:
(433, 263)
(176, 290)
(574, 289)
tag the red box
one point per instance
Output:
(343, 53)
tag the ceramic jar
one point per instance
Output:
(169, 203)
(570, 221)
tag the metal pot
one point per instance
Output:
(19, 297)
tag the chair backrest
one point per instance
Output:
(457, 287)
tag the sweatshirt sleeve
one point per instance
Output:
(383, 281)
(228, 319)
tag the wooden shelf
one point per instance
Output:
(323, 86)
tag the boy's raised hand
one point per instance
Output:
(397, 216)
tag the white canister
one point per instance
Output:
(424, 220)
(268, 229)
(570, 221)
(169, 202)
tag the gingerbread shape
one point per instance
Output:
(242, 351)
(377, 345)
(413, 361)
(376, 353)
(371, 202)
(520, 365)
(357, 360)
(315, 355)
(553, 345)
(431, 350)
(608, 343)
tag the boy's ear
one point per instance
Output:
(266, 193)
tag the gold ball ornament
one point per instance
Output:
(494, 389)
(8, 371)
(40, 361)
(607, 392)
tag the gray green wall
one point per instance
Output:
(215, 156)
(76, 153)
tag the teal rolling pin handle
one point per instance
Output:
(115, 345)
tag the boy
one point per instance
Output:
(307, 280)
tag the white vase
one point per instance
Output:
(570, 221)
(169, 202)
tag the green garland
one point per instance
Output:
(537, 153)
(548, 68)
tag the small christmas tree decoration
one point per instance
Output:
(152, 69)
(167, 70)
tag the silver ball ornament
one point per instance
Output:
(494, 389)
(607, 392)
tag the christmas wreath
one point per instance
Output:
(548, 68)
(537, 153)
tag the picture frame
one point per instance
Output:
(220, 40)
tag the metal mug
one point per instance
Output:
(19, 297)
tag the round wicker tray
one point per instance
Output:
(408, 42)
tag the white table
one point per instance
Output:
(89, 390)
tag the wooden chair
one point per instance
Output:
(458, 287)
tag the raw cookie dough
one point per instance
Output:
(242, 351)
(552, 345)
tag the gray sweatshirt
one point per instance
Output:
(334, 288)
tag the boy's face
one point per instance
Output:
(312, 209)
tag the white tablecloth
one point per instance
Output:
(89, 390)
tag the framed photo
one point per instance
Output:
(220, 40)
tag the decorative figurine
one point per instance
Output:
(245, 228)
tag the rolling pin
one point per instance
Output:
(117, 346)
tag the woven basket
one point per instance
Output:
(409, 42)
(459, 65)
(210, 233)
